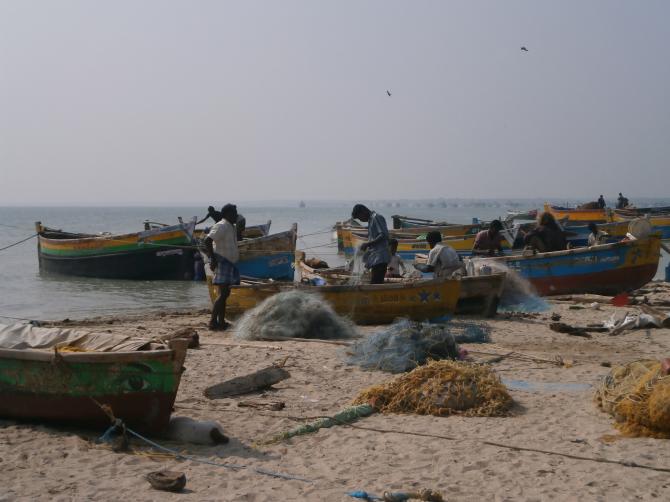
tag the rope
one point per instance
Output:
(19, 242)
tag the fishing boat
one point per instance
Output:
(269, 257)
(419, 300)
(156, 253)
(251, 232)
(479, 295)
(659, 223)
(66, 376)
(409, 246)
(606, 269)
(570, 215)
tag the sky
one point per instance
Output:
(177, 102)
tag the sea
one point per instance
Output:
(27, 294)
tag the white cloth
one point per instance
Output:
(394, 266)
(224, 236)
(444, 260)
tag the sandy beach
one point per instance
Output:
(553, 412)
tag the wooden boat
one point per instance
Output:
(479, 295)
(66, 387)
(269, 257)
(579, 215)
(409, 247)
(659, 223)
(607, 269)
(157, 253)
(252, 232)
(364, 304)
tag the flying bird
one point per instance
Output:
(523, 48)
(388, 92)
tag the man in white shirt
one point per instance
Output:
(596, 236)
(443, 260)
(221, 247)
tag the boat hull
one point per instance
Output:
(363, 304)
(163, 253)
(608, 269)
(269, 257)
(139, 387)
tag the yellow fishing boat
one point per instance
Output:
(418, 300)
(582, 215)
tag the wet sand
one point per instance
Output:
(55, 463)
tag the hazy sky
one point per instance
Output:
(159, 102)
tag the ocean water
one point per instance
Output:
(25, 293)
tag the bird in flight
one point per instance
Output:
(523, 48)
(388, 92)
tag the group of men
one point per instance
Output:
(621, 202)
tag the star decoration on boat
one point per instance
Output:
(636, 253)
(436, 296)
(424, 296)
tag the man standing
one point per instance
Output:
(489, 242)
(211, 213)
(221, 247)
(601, 202)
(376, 249)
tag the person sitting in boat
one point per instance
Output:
(622, 202)
(547, 236)
(221, 247)
(211, 213)
(443, 260)
(376, 250)
(596, 236)
(396, 265)
(489, 242)
(601, 202)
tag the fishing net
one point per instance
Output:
(407, 344)
(293, 314)
(637, 395)
(518, 294)
(441, 388)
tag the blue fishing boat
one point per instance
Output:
(269, 257)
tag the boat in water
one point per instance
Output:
(164, 252)
(66, 376)
(269, 257)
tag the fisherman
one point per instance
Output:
(443, 260)
(221, 247)
(622, 202)
(211, 213)
(596, 236)
(489, 242)
(547, 236)
(395, 263)
(601, 202)
(376, 250)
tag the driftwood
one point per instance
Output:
(561, 327)
(259, 380)
(189, 334)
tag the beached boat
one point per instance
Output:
(479, 295)
(409, 247)
(419, 300)
(579, 215)
(269, 257)
(58, 376)
(607, 269)
(157, 253)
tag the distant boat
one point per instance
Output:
(302, 204)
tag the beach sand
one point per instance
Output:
(55, 463)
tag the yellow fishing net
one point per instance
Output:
(637, 395)
(441, 388)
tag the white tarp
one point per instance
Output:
(26, 336)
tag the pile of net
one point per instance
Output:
(441, 388)
(637, 395)
(293, 314)
(406, 344)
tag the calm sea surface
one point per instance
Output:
(27, 294)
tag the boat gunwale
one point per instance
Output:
(48, 355)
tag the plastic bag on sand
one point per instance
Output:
(293, 314)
